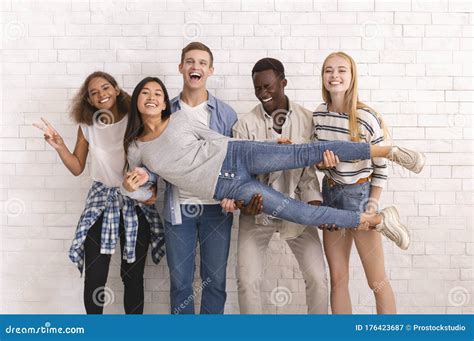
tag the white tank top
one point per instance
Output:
(107, 156)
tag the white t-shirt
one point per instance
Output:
(106, 151)
(200, 113)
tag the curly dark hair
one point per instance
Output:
(82, 111)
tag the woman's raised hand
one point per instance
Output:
(50, 134)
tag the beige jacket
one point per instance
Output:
(299, 184)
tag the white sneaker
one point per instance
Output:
(409, 159)
(392, 228)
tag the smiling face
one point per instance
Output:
(151, 100)
(102, 95)
(337, 75)
(196, 68)
(270, 90)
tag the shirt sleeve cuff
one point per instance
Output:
(141, 194)
(378, 182)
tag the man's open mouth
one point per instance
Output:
(195, 76)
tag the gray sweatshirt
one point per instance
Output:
(187, 154)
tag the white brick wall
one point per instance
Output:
(415, 67)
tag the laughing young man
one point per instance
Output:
(278, 119)
(188, 218)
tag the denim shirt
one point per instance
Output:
(222, 119)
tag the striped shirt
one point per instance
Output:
(330, 126)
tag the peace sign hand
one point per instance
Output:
(50, 134)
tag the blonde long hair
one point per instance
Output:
(351, 99)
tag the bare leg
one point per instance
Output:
(370, 249)
(380, 151)
(337, 247)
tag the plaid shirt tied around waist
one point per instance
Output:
(106, 200)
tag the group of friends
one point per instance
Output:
(263, 163)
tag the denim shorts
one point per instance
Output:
(347, 197)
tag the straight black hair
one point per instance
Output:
(135, 124)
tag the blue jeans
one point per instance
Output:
(347, 197)
(212, 228)
(245, 159)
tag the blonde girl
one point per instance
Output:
(355, 185)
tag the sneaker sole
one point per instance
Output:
(392, 215)
(421, 164)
